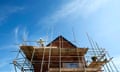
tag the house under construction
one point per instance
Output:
(61, 55)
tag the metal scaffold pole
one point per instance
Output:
(59, 55)
(49, 57)
(91, 44)
(42, 63)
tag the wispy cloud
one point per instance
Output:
(11, 46)
(3, 64)
(5, 11)
(76, 7)
(25, 34)
(14, 39)
(16, 34)
(20, 33)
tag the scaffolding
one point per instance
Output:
(22, 63)
(62, 56)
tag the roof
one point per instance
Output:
(61, 42)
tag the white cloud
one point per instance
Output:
(3, 64)
(16, 33)
(25, 34)
(8, 47)
(21, 34)
(76, 7)
(92, 6)
(5, 11)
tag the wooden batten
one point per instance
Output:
(65, 52)
(73, 70)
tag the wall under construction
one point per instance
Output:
(62, 56)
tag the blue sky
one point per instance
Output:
(35, 19)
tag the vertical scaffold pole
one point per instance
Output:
(50, 48)
(49, 56)
(41, 69)
(32, 56)
(15, 66)
(59, 55)
(83, 64)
